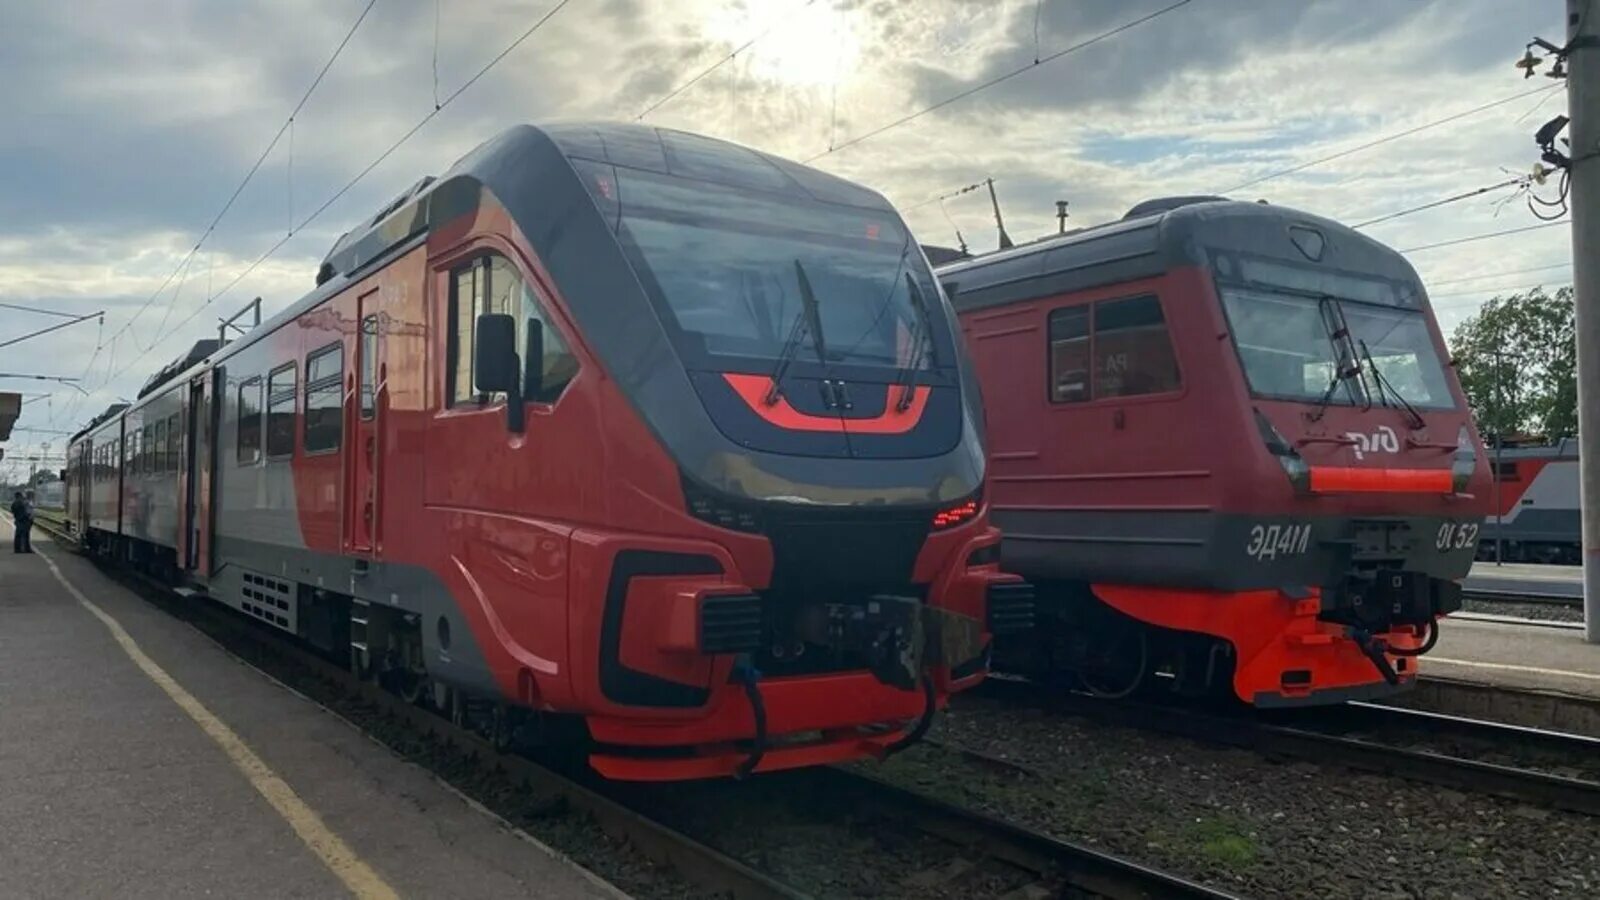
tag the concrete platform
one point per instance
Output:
(109, 786)
(1522, 578)
(1513, 655)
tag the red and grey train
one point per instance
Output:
(1226, 448)
(609, 426)
(1534, 505)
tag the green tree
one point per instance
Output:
(1518, 363)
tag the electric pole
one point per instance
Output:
(1583, 105)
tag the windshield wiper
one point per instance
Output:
(807, 321)
(1385, 388)
(1346, 364)
(921, 339)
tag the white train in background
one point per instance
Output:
(50, 495)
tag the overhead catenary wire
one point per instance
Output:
(673, 94)
(1417, 129)
(249, 175)
(38, 309)
(1436, 283)
(1454, 198)
(999, 79)
(1503, 289)
(1483, 237)
(317, 213)
(947, 195)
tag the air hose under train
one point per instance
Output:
(1375, 649)
(1427, 644)
(1372, 648)
(929, 708)
(745, 672)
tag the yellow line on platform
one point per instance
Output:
(342, 861)
(1430, 659)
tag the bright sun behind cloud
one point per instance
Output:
(809, 46)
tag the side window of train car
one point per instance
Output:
(158, 450)
(280, 411)
(491, 284)
(1069, 355)
(172, 442)
(1113, 348)
(324, 389)
(248, 451)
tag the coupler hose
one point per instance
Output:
(1433, 638)
(1373, 650)
(929, 708)
(746, 674)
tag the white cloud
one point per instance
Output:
(136, 125)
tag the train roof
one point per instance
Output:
(499, 165)
(110, 413)
(172, 370)
(1563, 448)
(1161, 234)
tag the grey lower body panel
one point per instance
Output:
(405, 588)
(1203, 550)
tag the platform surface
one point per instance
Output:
(1540, 657)
(1565, 581)
(108, 787)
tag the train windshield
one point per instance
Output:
(1290, 348)
(725, 268)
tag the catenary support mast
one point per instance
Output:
(1583, 98)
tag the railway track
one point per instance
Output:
(1549, 598)
(1044, 866)
(1363, 737)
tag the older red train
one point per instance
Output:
(608, 426)
(1227, 449)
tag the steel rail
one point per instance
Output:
(1084, 869)
(1475, 776)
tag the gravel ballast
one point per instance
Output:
(1541, 612)
(1245, 823)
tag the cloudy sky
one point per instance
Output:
(130, 125)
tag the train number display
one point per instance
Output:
(1274, 541)
(1456, 536)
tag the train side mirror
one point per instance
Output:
(495, 363)
(533, 352)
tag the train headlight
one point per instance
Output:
(719, 511)
(964, 511)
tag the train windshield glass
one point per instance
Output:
(1288, 346)
(724, 268)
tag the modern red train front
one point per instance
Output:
(624, 428)
(1227, 449)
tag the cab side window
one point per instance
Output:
(491, 284)
(1113, 348)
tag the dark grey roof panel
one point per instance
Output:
(1147, 245)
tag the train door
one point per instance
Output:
(195, 535)
(80, 487)
(363, 455)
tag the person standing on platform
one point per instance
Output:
(22, 519)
